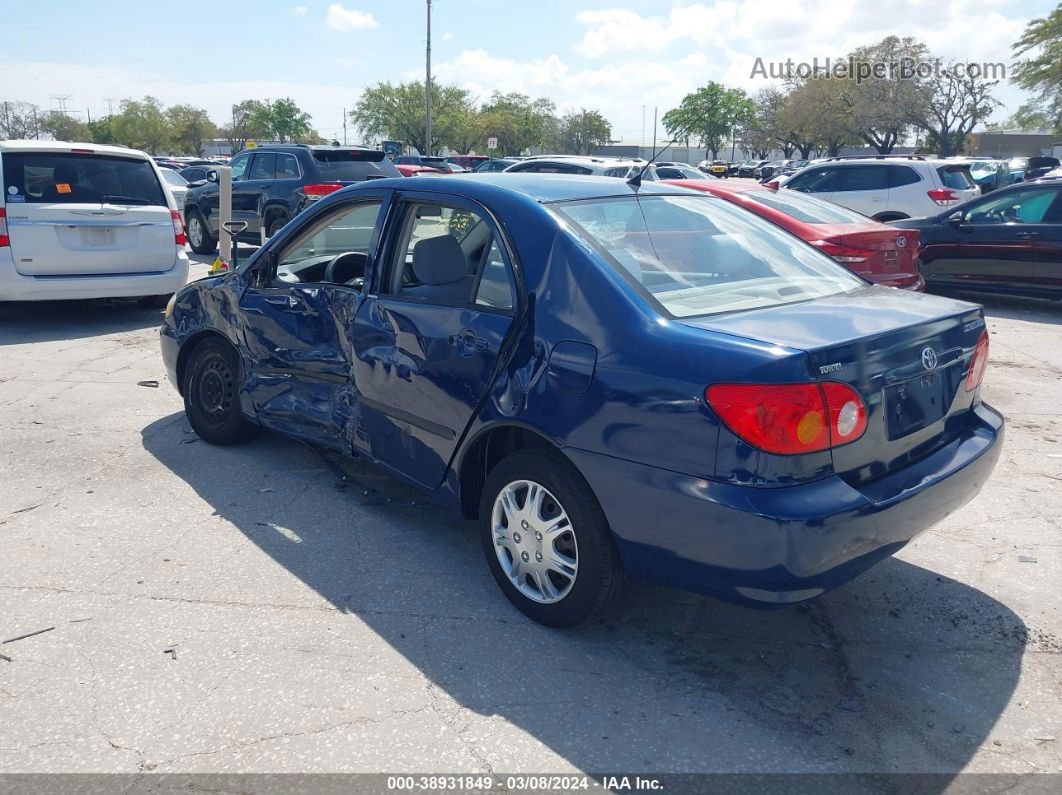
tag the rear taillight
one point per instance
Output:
(317, 191)
(943, 196)
(978, 365)
(178, 228)
(843, 254)
(4, 239)
(790, 419)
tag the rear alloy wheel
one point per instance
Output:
(199, 237)
(546, 539)
(276, 223)
(211, 394)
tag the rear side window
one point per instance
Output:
(63, 178)
(287, 166)
(622, 172)
(353, 165)
(902, 175)
(955, 177)
(864, 178)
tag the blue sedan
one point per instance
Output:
(616, 381)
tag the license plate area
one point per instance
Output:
(917, 402)
(98, 236)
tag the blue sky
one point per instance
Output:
(613, 55)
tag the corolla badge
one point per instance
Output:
(929, 358)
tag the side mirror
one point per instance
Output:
(197, 183)
(955, 219)
(212, 176)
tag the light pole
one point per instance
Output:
(427, 88)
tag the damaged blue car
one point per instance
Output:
(615, 380)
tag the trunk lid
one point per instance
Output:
(890, 263)
(906, 354)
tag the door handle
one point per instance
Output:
(1028, 235)
(282, 300)
(466, 342)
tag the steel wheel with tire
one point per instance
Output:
(211, 394)
(546, 539)
(199, 237)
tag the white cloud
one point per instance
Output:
(345, 19)
(447, 36)
(301, 10)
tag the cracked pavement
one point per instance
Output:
(269, 608)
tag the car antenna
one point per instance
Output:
(635, 180)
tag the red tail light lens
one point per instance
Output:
(843, 254)
(178, 228)
(4, 239)
(790, 419)
(978, 365)
(321, 190)
(943, 196)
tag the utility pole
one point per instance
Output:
(62, 102)
(654, 129)
(344, 126)
(427, 88)
(110, 105)
(641, 143)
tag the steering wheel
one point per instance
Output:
(333, 264)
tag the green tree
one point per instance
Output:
(284, 120)
(397, 112)
(247, 122)
(63, 127)
(582, 131)
(191, 129)
(812, 119)
(102, 130)
(142, 124)
(518, 122)
(951, 106)
(1041, 71)
(19, 120)
(712, 114)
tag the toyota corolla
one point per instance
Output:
(615, 380)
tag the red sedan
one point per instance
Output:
(415, 171)
(883, 254)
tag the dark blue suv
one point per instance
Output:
(272, 184)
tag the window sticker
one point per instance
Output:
(16, 197)
(62, 187)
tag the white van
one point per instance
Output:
(86, 221)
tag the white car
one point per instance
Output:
(86, 221)
(178, 186)
(887, 188)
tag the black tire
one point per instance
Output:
(599, 574)
(211, 394)
(201, 241)
(276, 223)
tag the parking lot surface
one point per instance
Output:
(267, 608)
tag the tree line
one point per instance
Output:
(390, 111)
(149, 125)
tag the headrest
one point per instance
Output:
(439, 260)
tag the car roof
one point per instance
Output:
(542, 188)
(66, 146)
(718, 185)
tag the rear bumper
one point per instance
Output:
(15, 286)
(767, 547)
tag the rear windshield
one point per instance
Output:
(65, 178)
(956, 177)
(806, 208)
(696, 255)
(353, 165)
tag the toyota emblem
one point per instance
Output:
(901, 241)
(929, 358)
